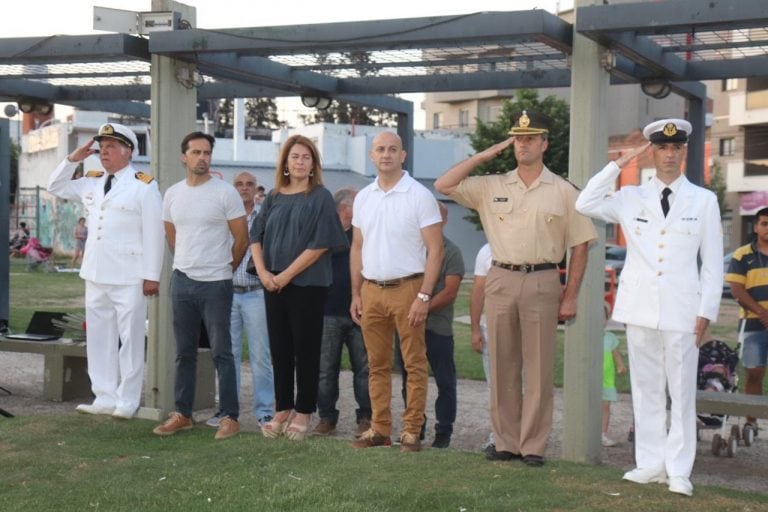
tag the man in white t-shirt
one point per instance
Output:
(395, 259)
(202, 217)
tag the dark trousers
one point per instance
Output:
(210, 302)
(295, 324)
(440, 357)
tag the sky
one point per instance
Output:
(23, 18)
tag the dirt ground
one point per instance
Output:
(22, 376)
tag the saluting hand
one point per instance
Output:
(82, 152)
(629, 155)
(495, 150)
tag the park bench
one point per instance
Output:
(732, 404)
(65, 374)
(65, 370)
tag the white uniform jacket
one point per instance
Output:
(661, 285)
(125, 229)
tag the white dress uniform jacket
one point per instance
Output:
(661, 287)
(125, 229)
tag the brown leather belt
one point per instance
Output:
(391, 283)
(525, 267)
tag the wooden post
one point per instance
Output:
(173, 117)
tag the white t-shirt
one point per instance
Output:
(482, 266)
(391, 224)
(203, 239)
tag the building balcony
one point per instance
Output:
(748, 108)
(747, 176)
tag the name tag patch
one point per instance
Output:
(500, 199)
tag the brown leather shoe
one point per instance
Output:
(409, 442)
(370, 439)
(228, 427)
(362, 426)
(324, 428)
(175, 422)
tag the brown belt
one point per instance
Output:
(525, 267)
(391, 283)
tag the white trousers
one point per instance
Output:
(660, 360)
(115, 316)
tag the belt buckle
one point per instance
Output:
(525, 268)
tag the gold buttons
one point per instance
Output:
(658, 273)
(663, 231)
(661, 246)
(661, 259)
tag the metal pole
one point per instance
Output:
(694, 168)
(405, 131)
(5, 203)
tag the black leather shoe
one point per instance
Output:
(441, 440)
(492, 454)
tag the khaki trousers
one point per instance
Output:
(522, 328)
(384, 310)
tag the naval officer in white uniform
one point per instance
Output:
(665, 299)
(121, 266)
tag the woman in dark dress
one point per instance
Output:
(291, 242)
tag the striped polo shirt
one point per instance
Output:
(750, 268)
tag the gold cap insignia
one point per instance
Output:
(669, 129)
(94, 174)
(146, 178)
(107, 130)
(524, 120)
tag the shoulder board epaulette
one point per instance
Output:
(572, 183)
(94, 174)
(146, 178)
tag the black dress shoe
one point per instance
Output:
(533, 460)
(491, 453)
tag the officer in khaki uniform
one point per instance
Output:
(121, 266)
(529, 218)
(666, 298)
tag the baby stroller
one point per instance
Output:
(36, 254)
(717, 372)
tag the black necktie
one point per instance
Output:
(665, 200)
(108, 184)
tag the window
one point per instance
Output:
(463, 118)
(437, 117)
(726, 147)
(730, 84)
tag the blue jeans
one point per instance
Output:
(440, 357)
(248, 312)
(337, 332)
(204, 304)
(755, 351)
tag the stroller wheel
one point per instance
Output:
(748, 434)
(735, 432)
(732, 444)
(717, 444)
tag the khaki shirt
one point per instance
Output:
(533, 224)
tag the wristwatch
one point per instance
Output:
(423, 297)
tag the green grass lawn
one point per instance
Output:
(77, 463)
(74, 463)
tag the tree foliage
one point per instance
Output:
(259, 113)
(341, 112)
(718, 186)
(488, 134)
